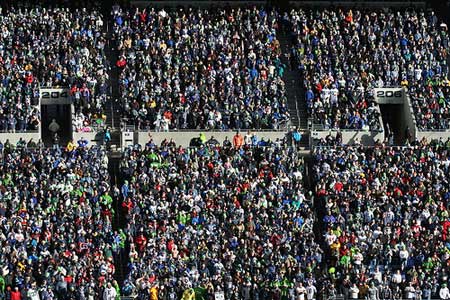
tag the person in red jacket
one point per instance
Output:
(445, 229)
(121, 62)
(15, 295)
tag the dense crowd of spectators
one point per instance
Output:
(345, 54)
(228, 218)
(200, 68)
(386, 219)
(56, 211)
(431, 104)
(232, 218)
(51, 47)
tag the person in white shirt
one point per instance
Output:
(410, 291)
(397, 277)
(353, 292)
(444, 293)
(311, 291)
(300, 291)
(109, 293)
(33, 293)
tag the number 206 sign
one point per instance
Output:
(51, 96)
(389, 95)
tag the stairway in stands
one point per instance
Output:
(294, 87)
(113, 122)
(113, 106)
(119, 221)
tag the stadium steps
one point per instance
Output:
(115, 140)
(119, 220)
(113, 122)
(304, 142)
(319, 209)
(113, 106)
(294, 89)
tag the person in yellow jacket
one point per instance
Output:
(154, 292)
(71, 146)
(188, 294)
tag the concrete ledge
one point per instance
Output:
(15, 137)
(94, 138)
(367, 138)
(432, 135)
(184, 138)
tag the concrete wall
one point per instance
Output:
(183, 138)
(411, 122)
(15, 137)
(390, 95)
(366, 138)
(432, 135)
(128, 138)
(94, 138)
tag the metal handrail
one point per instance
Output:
(284, 125)
(296, 109)
(314, 125)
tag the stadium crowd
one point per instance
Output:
(51, 47)
(232, 218)
(237, 218)
(200, 68)
(431, 102)
(344, 55)
(386, 219)
(56, 235)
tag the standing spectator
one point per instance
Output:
(311, 291)
(238, 140)
(15, 294)
(110, 292)
(444, 292)
(296, 137)
(354, 291)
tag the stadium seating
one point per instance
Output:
(193, 68)
(56, 232)
(55, 47)
(218, 218)
(345, 54)
(386, 217)
(243, 219)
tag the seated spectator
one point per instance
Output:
(431, 105)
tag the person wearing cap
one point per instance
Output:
(110, 292)
(444, 292)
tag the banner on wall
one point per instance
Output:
(54, 96)
(389, 95)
